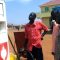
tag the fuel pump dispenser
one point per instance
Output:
(4, 47)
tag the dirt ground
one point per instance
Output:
(47, 48)
(46, 45)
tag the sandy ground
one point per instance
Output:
(47, 48)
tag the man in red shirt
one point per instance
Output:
(33, 35)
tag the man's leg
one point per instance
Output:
(29, 56)
(37, 52)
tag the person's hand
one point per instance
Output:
(53, 53)
(42, 38)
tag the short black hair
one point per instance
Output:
(32, 15)
(55, 14)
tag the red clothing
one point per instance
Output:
(54, 36)
(33, 33)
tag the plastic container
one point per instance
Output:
(12, 56)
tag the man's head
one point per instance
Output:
(32, 17)
(55, 14)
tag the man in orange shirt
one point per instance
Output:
(33, 35)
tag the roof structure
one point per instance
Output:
(53, 2)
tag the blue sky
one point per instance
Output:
(17, 11)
